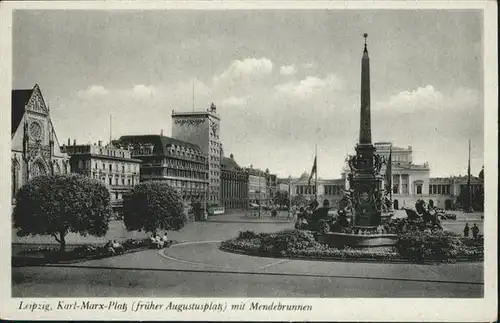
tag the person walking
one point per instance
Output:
(466, 230)
(475, 231)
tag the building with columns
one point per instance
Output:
(181, 164)
(34, 144)
(109, 163)
(410, 182)
(202, 128)
(328, 189)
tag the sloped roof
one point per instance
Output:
(229, 164)
(19, 100)
(159, 142)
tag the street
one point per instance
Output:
(196, 267)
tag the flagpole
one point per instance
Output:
(316, 176)
(390, 178)
(469, 184)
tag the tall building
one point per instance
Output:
(234, 184)
(34, 144)
(202, 128)
(181, 164)
(110, 164)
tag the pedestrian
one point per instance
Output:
(109, 248)
(475, 231)
(466, 230)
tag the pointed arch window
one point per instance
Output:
(37, 169)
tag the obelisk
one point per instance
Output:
(365, 166)
(365, 129)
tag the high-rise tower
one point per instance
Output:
(202, 129)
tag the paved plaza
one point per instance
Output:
(196, 267)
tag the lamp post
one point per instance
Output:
(259, 195)
(205, 216)
(289, 195)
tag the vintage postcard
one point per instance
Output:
(292, 161)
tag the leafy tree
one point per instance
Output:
(281, 198)
(153, 206)
(299, 200)
(59, 204)
(481, 173)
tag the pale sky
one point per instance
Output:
(282, 81)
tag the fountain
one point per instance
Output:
(365, 195)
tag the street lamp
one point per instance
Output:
(289, 195)
(259, 195)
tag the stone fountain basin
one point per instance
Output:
(340, 240)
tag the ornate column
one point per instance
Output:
(410, 185)
(365, 166)
(400, 184)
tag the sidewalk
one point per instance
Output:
(252, 217)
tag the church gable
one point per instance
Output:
(36, 103)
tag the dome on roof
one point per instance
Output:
(304, 175)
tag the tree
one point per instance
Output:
(281, 198)
(153, 206)
(299, 200)
(59, 204)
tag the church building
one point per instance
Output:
(34, 146)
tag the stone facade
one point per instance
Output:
(202, 128)
(328, 189)
(110, 164)
(234, 185)
(34, 144)
(181, 164)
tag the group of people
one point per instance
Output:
(312, 214)
(475, 231)
(114, 247)
(157, 241)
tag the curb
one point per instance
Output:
(27, 262)
(342, 259)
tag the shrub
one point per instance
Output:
(436, 245)
(243, 235)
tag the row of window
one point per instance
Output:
(175, 173)
(230, 190)
(333, 189)
(116, 180)
(303, 189)
(116, 166)
(440, 189)
(404, 189)
(186, 184)
(169, 162)
(187, 154)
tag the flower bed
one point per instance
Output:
(418, 246)
(79, 253)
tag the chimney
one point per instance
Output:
(231, 156)
(74, 142)
(69, 142)
(161, 132)
(100, 143)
